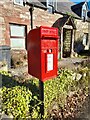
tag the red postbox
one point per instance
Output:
(42, 47)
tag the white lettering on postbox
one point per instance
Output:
(49, 62)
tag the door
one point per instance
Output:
(67, 42)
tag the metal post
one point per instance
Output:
(41, 95)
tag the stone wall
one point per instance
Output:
(81, 28)
(89, 35)
(11, 13)
(42, 17)
(18, 58)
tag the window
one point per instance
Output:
(84, 15)
(85, 39)
(17, 36)
(51, 5)
(18, 2)
(84, 12)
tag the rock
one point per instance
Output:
(78, 76)
(71, 94)
(74, 76)
(84, 75)
(6, 117)
(4, 68)
(55, 106)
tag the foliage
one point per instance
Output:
(16, 101)
(56, 90)
(69, 14)
(22, 99)
(19, 99)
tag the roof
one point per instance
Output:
(36, 3)
(77, 9)
(64, 20)
(64, 7)
(76, 6)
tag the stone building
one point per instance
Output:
(15, 23)
(83, 11)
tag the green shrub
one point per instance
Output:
(19, 99)
(16, 101)
(57, 89)
(22, 100)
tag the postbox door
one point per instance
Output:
(49, 59)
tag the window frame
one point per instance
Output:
(84, 11)
(85, 39)
(21, 2)
(51, 4)
(18, 37)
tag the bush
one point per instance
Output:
(19, 99)
(22, 100)
(16, 101)
(57, 89)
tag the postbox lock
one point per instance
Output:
(49, 50)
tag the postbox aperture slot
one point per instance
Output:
(50, 37)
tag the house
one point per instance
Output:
(17, 19)
(83, 11)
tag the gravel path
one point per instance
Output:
(70, 63)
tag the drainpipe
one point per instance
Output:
(32, 5)
(31, 14)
